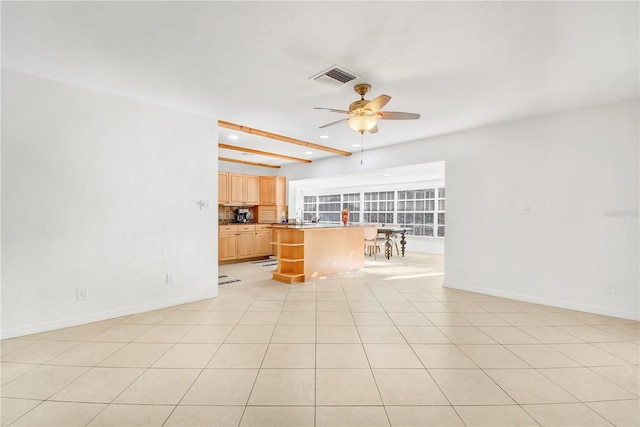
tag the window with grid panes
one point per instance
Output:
(440, 229)
(329, 208)
(417, 210)
(379, 207)
(310, 207)
(422, 210)
(352, 202)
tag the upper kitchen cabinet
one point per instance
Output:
(223, 187)
(252, 186)
(237, 192)
(238, 189)
(273, 190)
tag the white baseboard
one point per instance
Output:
(105, 315)
(605, 311)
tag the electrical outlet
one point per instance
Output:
(612, 288)
(82, 294)
(171, 278)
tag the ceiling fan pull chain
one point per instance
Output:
(361, 148)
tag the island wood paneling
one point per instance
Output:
(310, 253)
(332, 250)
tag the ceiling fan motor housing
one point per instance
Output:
(358, 105)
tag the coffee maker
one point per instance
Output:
(240, 215)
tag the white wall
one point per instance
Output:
(100, 191)
(568, 171)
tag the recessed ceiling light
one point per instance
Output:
(308, 152)
(355, 145)
(233, 136)
(387, 174)
(324, 136)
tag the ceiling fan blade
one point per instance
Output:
(374, 129)
(333, 123)
(394, 115)
(331, 109)
(377, 103)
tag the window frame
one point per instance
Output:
(363, 213)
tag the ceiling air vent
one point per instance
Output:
(334, 76)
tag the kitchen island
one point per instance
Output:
(310, 251)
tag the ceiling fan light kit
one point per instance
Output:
(362, 123)
(364, 114)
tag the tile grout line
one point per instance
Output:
(244, 411)
(384, 406)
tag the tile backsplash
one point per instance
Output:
(225, 213)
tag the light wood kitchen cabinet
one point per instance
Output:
(223, 187)
(227, 242)
(237, 192)
(243, 241)
(269, 214)
(262, 240)
(252, 189)
(245, 244)
(238, 188)
(273, 190)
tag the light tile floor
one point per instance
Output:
(388, 345)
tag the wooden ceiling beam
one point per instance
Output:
(240, 128)
(262, 153)
(244, 162)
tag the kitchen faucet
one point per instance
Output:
(301, 217)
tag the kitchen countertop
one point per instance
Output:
(310, 225)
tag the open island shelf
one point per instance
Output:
(308, 253)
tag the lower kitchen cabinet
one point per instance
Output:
(227, 242)
(240, 241)
(262, 240)
(245, 244)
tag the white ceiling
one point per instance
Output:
(413, 174)
(459, 64)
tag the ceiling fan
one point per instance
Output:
(364, 114)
